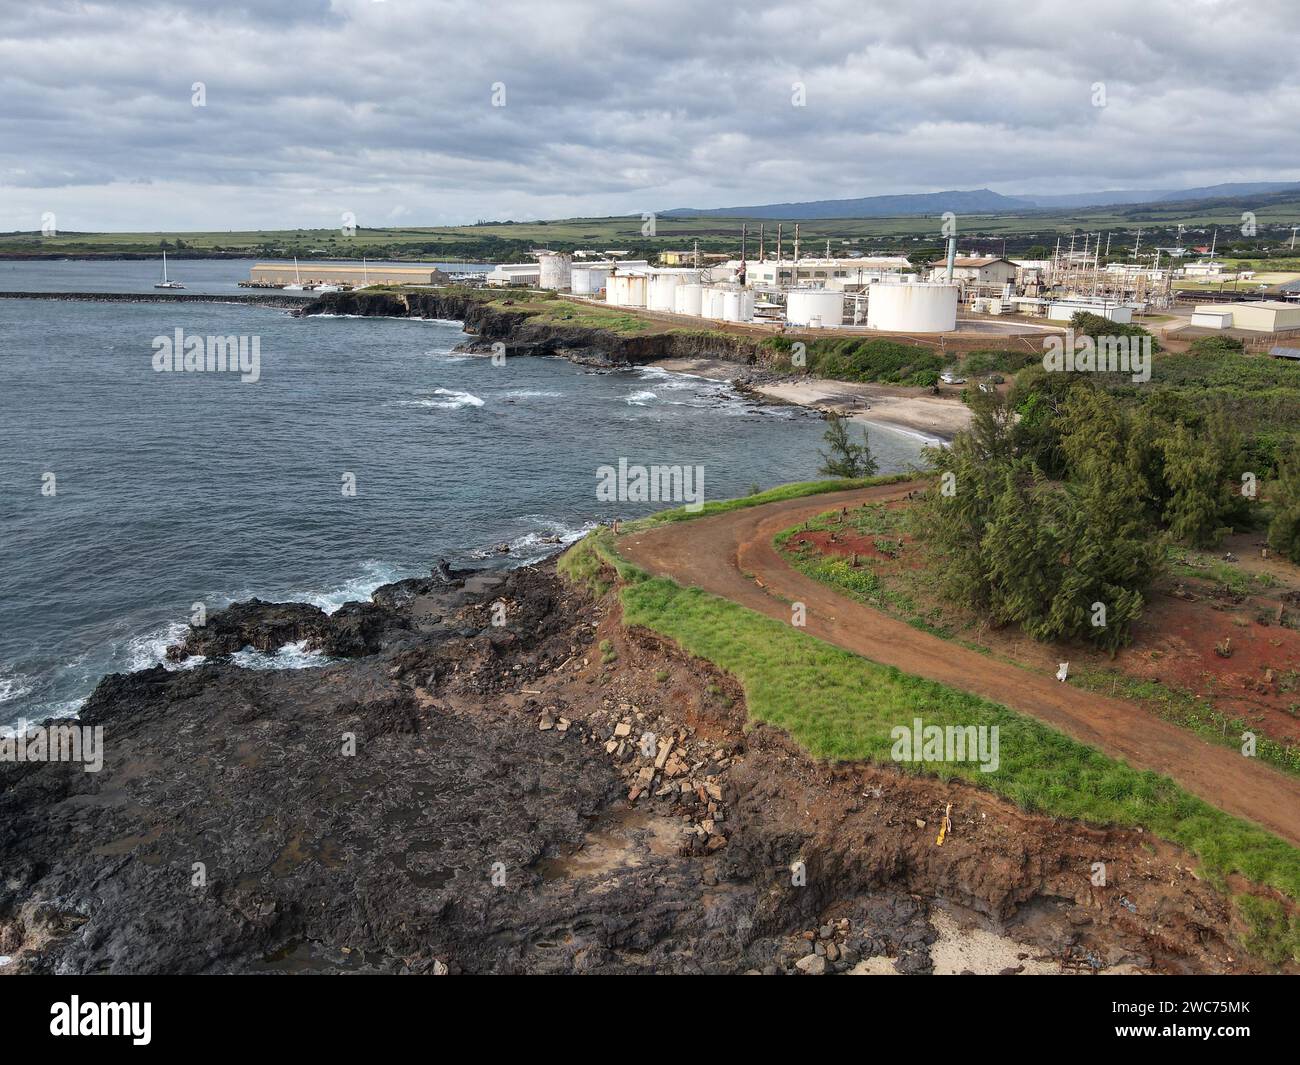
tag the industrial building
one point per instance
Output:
(314, 275)
(510, 275)
(992, 270)
(556, 271)
(828, 273)
(1260, 316)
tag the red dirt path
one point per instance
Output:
(716, 553)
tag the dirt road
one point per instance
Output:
(716, 553)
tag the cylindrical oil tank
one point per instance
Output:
(711, 303)
(687, 299)
(556, 269)
(814, 306)
(923, 307)
(738, 305)
(625, 290)
(662, 287)
(588, 280)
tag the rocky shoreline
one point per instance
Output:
(740, 360)
(523, 334)
(532, 788)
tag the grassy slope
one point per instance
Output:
(840, 706)
(772, 495)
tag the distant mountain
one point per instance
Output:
(1228, 191)
(971, 201)
(981, 201)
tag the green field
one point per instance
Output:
(511, 241)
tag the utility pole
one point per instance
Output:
(1136, 243)
(1293, 229)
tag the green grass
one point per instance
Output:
(1179, 707)
(1196, 566)
(772, 495)
(1273, 934)
(1183, 708)
(841, 707)
(862, 582)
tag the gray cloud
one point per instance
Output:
(384, 108)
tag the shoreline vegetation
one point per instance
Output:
(837, 706)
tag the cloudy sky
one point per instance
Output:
(385, 108)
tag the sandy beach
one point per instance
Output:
(909, 409)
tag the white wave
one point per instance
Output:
(531, 393)
(452, 400)
(14, 687)
(150, 649)
(290, 656)
(890, 427)
(531, 546)
(640, 399)
(43, 712)
(356, 589)
(675, 380)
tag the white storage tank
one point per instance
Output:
(556, 269)
(625, 290)
(922, 307)
(711, 303)
(738, 305)
(814, 307)
(588, 280)
(687, 299)
(663, 286)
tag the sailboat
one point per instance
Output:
(297, 281)
(164, 283)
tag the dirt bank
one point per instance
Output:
(554, 794)
(732, 555)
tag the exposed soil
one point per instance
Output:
(555, 795)
(1188, 621)
(732, 555)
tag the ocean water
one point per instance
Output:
(172, 489)
(209, 277)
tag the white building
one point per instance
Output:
(512, 274)
(1259, 316)
(827, 273)
(967, 270)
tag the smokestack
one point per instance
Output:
(952, 258)
(762, 251)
